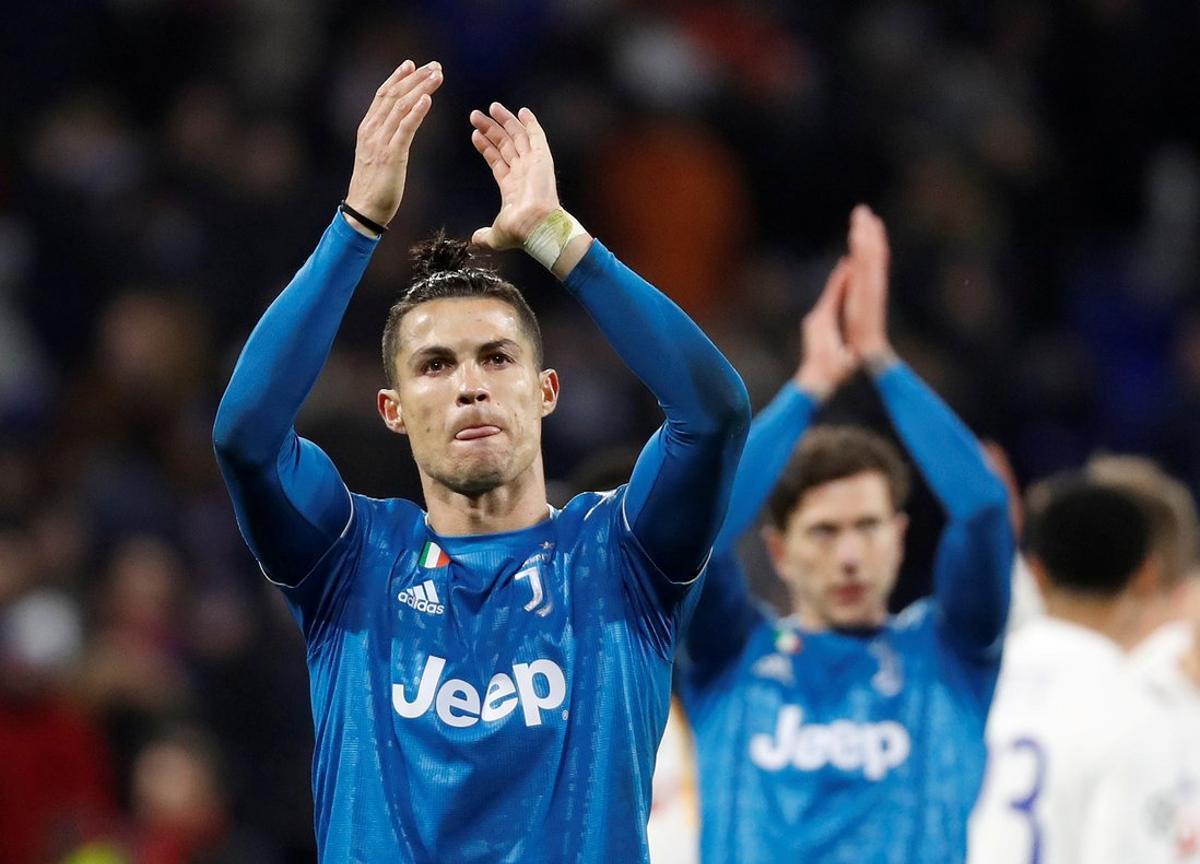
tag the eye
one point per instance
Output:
(499, 359)
(433, 365)
(822, 532)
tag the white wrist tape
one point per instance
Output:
(551, 236)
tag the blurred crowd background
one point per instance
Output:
(166, 165)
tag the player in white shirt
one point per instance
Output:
(1082, 762)
(1169, 664)
(1167, 659)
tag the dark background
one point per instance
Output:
(166, 166)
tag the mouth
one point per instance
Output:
(474, 433)
(849, 595)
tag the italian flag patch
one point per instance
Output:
(432, 556)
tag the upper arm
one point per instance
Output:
(973, 581)
(720, 627)
(658, 603)
(769, 446)
(679, 490)
(678, 495)
(291, 509)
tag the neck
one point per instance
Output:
(520, 503)
(1158, 612)
(1118, 618)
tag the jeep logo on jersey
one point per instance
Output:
(538, 686)
(872, 748)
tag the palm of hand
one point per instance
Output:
(866, 301)
(514, 147)
(527, 194)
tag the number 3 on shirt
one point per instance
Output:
(1024, 805)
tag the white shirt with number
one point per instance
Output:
(1080, 758)
(1158, 662)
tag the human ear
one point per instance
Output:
(548, 380)
(388, 404)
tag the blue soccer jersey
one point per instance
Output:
(862, 746)
(491, 698)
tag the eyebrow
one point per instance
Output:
(499, 345)
(430, 352)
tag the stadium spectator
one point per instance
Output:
(56, 785)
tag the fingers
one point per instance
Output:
(411, 122)
(835, 287)
(403, 107)
(483, 238)
(397, 86)
(496, 134)
(537, 136)
(514, 127)
(489, 153)
(868, 235)
(402, 71)
(512, 135)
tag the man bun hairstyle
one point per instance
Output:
(1091, 536)
(443, 267)
(828, 453)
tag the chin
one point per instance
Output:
(482, 479)
(477, 476)
(855, 619)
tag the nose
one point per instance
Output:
(849, 551)
(471, 388)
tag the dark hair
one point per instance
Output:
(828, 453)
(1169, 507)
(1091, 536)
(443, 267)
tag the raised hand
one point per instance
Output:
(514, 147)
(385, 137)
(866, 299)
(827, 362)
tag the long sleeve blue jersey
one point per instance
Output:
(494, 698)
(832, 747)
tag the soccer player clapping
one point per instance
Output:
(489, 676)
(841, 733)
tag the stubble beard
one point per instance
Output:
(470, 477)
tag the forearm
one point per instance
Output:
(680, 488)
(697, 388)
(288, 347)
(948, 456)
(972, 577)
(723, 621)
(769, 447)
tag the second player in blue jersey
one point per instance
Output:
(489, 678)
(841, 734)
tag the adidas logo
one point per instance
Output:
(423, 598)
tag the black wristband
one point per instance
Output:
(366, 223)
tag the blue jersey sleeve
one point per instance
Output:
(679, 489)
(973, 567)
(291, 504)
(726, 614)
